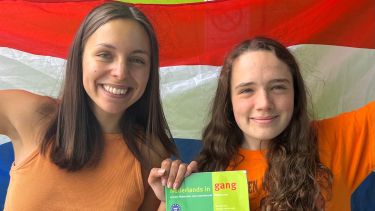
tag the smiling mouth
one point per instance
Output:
(115, 90)
(264, 120)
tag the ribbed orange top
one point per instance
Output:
(115, 184)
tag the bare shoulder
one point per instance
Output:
(23, 113)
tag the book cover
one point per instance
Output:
(210, 191)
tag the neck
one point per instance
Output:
(110, 128)
(255, 144)
(108, 122)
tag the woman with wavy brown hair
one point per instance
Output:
(260, 123)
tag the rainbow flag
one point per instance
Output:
(333, 40)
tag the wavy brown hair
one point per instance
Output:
(295, 178)
(75, 136)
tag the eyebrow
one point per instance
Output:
(138, 51)
(106, 45)
(244, 84)
(280, 80)
(277, 80)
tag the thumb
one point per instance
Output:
(154, 180)
(155, 175)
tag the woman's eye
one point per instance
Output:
(104, 56)
(137, 60)
(246, 91)
(279, 88)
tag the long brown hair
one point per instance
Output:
(295, 178)
(75, 136)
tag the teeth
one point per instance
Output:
(114, 90)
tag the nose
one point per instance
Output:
(119, 70)
(263, 100)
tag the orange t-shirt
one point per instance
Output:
(346, 146)
(115, 184)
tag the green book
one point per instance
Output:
(210, 191)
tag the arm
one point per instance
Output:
(347, 144)
(21, 117)
(162, 206)
(7, 99)
(150, 201)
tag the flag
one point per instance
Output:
(333, 41)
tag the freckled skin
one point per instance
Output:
(262, 97)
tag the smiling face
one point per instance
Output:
(262, 96)
(116, 67)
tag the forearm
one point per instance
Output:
(162, 206)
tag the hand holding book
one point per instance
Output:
(170, 174)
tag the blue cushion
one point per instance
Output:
(188, 149)
(6, 160)
(363, 198)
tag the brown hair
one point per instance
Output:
(295, 178)
(75, 136)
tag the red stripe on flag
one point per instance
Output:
(198, 33)
(41, 28)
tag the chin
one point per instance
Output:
(268, 135)
(113, 111)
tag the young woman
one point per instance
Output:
(93, 148)
(260, 123)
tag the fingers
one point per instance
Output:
(166, 165)
(173, 171)
(182, 168)
(155, 184)
(170, 174)
(192, 167)
(155, 175)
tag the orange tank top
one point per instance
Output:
(114, 184)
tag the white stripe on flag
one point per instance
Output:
(339, 78)
(3, 139)
(186, 94)
(39, 74)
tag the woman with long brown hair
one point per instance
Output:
(259, 122)
(93, 148)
